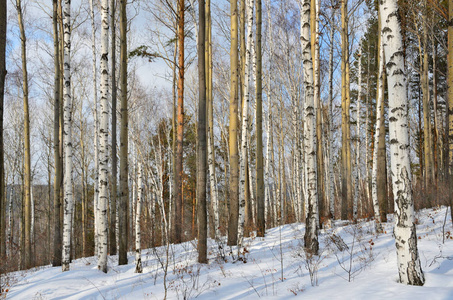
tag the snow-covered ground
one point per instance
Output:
(274, 267)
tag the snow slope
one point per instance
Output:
(273, 268)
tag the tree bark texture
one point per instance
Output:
(409, 268)
(124, 167)
(103, 142)
(233, 130)
(67, 103)
(311, 232)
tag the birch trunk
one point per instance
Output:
(409, 268)
(210, 103)
(103, 141)
(67, 98)
(379, 120)
(246, 93)
(311, 232)
(358, 139)
(96, 131)
(138, 258)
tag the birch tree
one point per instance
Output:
(210, 104)
(379, 120)
(103, 141)
(67, 103)
(138, 250)
(311, 232)
(409, 268)
(244, 129)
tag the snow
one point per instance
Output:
(259, 274)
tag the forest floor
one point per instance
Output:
(353, 263)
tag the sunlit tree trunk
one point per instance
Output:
(246, 93)
(180, 129)
(233, 130)
(67, 100)
(357, 182)
(408, 261)
(311, 232)
(103, 142)
(346, 177)
(379, 120)
(124, 167)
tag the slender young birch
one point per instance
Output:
(96, 130)
(210, 104)
(358, 139)
(374, 178)
(67, 100)
(330, 189)
(311, 232)
(103, 141)
(246, 93)
(138, 258)
(410, 271)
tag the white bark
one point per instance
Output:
(96, 130)
(212, 182)
(246, 93)
(103, 141)
(358, 141)
(138, 258)
(67, 136)
(380, 90)
(409, 268)
(311, 233)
